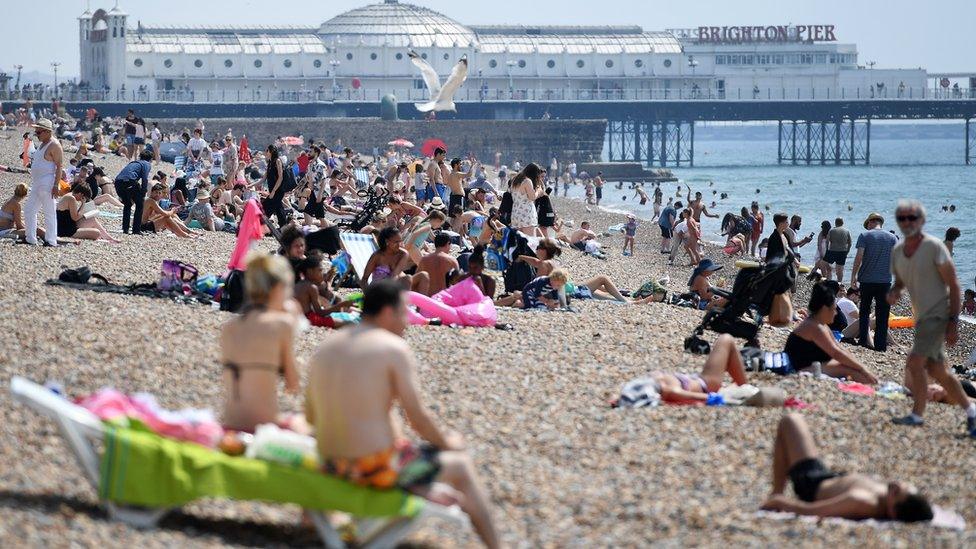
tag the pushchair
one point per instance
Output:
(376, 200)
(748, 303)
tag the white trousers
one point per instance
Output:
(39, 199)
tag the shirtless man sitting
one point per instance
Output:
(825, 493)
(584, 240)
(438, 264)
(354, 379)
(155, 219)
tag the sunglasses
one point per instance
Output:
(904, 218)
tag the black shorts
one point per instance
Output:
(666, 232)
(599, 193)
(581, 245)
(139, 140)
(835, 258)
(315, 209)
(807, 475)
(455, 200)
(148, 227)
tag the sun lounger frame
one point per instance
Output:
(80, 428)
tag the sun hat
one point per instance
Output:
(44, 124)
(179, 174)
(704, 266)
(437, 203)
(873, 216)
(631, 216)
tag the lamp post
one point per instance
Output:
(55, 64)
(511, 85)
(19, 68)
(334, 63)
(692, 63)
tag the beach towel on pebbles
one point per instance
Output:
(941, 518)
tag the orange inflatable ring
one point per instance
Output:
(896, 322)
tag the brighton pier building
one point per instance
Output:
(362, 55)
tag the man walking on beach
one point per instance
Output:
(46, 170)
(666, 222)
(921, 263)
(871, 273)
(838, 246)
(354, 379)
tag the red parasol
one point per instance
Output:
(356, 83)
(428, 147)
(244, 153)
(293, 141)
(401, 142)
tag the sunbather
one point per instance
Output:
(389, 261)
(700, 285)
(308, 291)
(156, 219)
(354, 380)
(825, 493)
(72, 223)
(12, 214)
(724, 358)
(812, 341)
(258, 345)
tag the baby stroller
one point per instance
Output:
(376, 200)
(749, 301)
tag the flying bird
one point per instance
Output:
(441, 97)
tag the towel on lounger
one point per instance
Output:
(142, 468)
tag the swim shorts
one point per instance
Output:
(148, 227)
(403, 466)
(666, 232)
(807, 475)
(835, 257)
(322, 321)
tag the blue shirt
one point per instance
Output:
(540, 287)
(134, 171)
(876, 260)
(667, 217)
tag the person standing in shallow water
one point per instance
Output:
(921, 263)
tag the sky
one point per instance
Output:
(936, 35)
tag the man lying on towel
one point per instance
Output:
(354, 380)
(825, 493)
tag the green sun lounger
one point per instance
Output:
(140, 476)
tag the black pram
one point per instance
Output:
(376, 200)
(749, 301)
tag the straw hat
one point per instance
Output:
(437, 203)
(44, 124)
(872, 217)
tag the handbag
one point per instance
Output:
(177, 276)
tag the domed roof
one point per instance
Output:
(397, 25)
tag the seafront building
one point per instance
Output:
(362, 55)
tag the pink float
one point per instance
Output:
(461, 304)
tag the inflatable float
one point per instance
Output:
(896, 322)
(462, 304)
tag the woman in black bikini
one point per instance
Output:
(259, 345)
(812, 341)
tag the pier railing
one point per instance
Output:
(487, 95)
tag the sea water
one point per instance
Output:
(931, 170)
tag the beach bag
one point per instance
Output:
(177, 276)
(232, 292)
(649, 288)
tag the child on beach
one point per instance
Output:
(969, 302)
(313, 288)
(630, 231)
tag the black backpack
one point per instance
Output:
(81, 275)
(288, 182)
(232, 294)
(505, 208)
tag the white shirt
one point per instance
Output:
(197, 144)
(847, 307)
(681, 228)
(155, 134)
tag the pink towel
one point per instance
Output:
(250, 229)
(856, 388)
(197, 426)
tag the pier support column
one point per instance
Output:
(779, 143)
(824, 142)
(970, 142)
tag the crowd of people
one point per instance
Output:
(441, 221)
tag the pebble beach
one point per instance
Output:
(563, 468)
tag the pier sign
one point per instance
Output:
(770, 33)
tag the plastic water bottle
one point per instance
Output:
(817, 370)
(272, 443)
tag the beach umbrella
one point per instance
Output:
(293, 141)
(401, 142)
(428, 147)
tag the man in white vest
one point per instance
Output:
(46, 171)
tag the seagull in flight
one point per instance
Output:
(441, 97)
